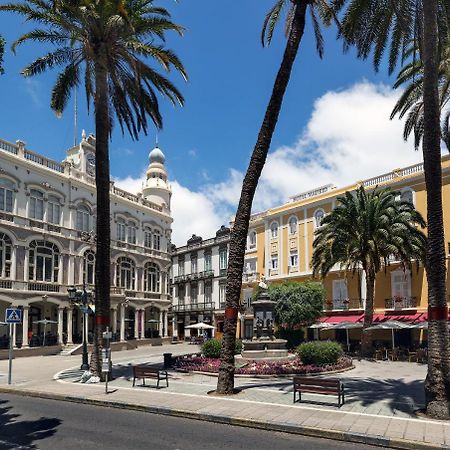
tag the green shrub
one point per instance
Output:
(211, 348)
(319, 352)
(238, 347)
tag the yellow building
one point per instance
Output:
(279, 248)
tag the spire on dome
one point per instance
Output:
(157, 156)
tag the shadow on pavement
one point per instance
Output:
(16, 432)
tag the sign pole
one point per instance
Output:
(10, 352)
(106, 357)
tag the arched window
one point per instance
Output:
(293, 225)
(5, 256)
(318, 217)
(53, 210)
(83, 218)
(407, 196)
(252, 240)
(132, 233)
(89, 267)
(274, 229)
(43, 262)
(121, 230)
(126, 273)
(36, 205)
(152, 277)
(156, 240)
(148, 238)
(7, 188)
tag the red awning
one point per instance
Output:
(340, 319)
(424, 317)
(377, 318)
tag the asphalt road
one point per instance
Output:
(30, 423)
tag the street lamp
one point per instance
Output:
(82, 298)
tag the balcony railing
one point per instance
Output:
(400, 303)
(181, 307)
(44, 287)
(6, 284)
(250, 277)
(343, 304)
(206, 274)
(222, 272)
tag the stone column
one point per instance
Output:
(25, 342)
(142, 318)
(114, 320)
(136, 323)
(187, 321)
(174, 326)
(161, 324)
(60, 325)
(69, 326)
(214, 324)
(166, 324)
(122, 323)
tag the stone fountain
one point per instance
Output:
(264, 345)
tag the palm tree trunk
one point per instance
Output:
(366, 340)
(437, 383)
(102, 266)
(225, 382)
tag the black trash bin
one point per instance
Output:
(167, 360)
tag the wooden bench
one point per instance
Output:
(319, 386)
(150, 372)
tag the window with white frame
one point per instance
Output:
(156, 240)
(89, 267)
(181, 265)
(194, 293)
(401, 284)
(36, 210)
(181, 292)
(208, 261)
(83, 218)
(318, 217)
(132, 233)
(248, 297)
(121, 230)
(274, 262)
(43, 261)
(274, 230)
(407, 195)
(152, 277)
(53, 210)
(194, 267)
(293, 258)
(223, 258)
(222, 293)
(5, 256)
(293, 225)
(340, 291)
(252, 240)
(148, 238)
(208, 291)
(7, 188)
(126, 273)
(250, 266)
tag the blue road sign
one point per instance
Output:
(13, 315)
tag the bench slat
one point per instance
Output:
(317, 381)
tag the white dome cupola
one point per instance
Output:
(156, 188)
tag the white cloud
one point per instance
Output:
(349, 137)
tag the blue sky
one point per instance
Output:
(208, 142)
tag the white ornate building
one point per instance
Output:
(47, 225)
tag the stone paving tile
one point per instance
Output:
(434, 433)
(415, 431)
(345, 422)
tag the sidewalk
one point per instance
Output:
(328, 422)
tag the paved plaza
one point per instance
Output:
(381, 398)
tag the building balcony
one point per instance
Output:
(251, 277)
(206, 274)
(186, 307)
(400, 303)
(343, 304)
(222, 272)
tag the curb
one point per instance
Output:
(358, 438)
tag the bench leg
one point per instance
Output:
(294, 396)
(157, 384)
(134, 381)
(167, 380)
(143, 381)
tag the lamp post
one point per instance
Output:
(82, 298)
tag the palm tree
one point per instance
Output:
(410, 103)
(364, 232)
(319, 10)
(374, 27)
(104, 44)
(2, 51)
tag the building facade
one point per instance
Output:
(47, 244)
(199, 272)
(280, 248)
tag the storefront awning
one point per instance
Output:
(338, 319)
(410, 318)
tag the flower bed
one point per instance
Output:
(291, 367)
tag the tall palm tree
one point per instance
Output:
(297, 10)
(104, 44)
(374, 27)
(410, 103)
(363, 232)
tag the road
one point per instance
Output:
(30, 423)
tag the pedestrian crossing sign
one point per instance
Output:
(13, 315)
